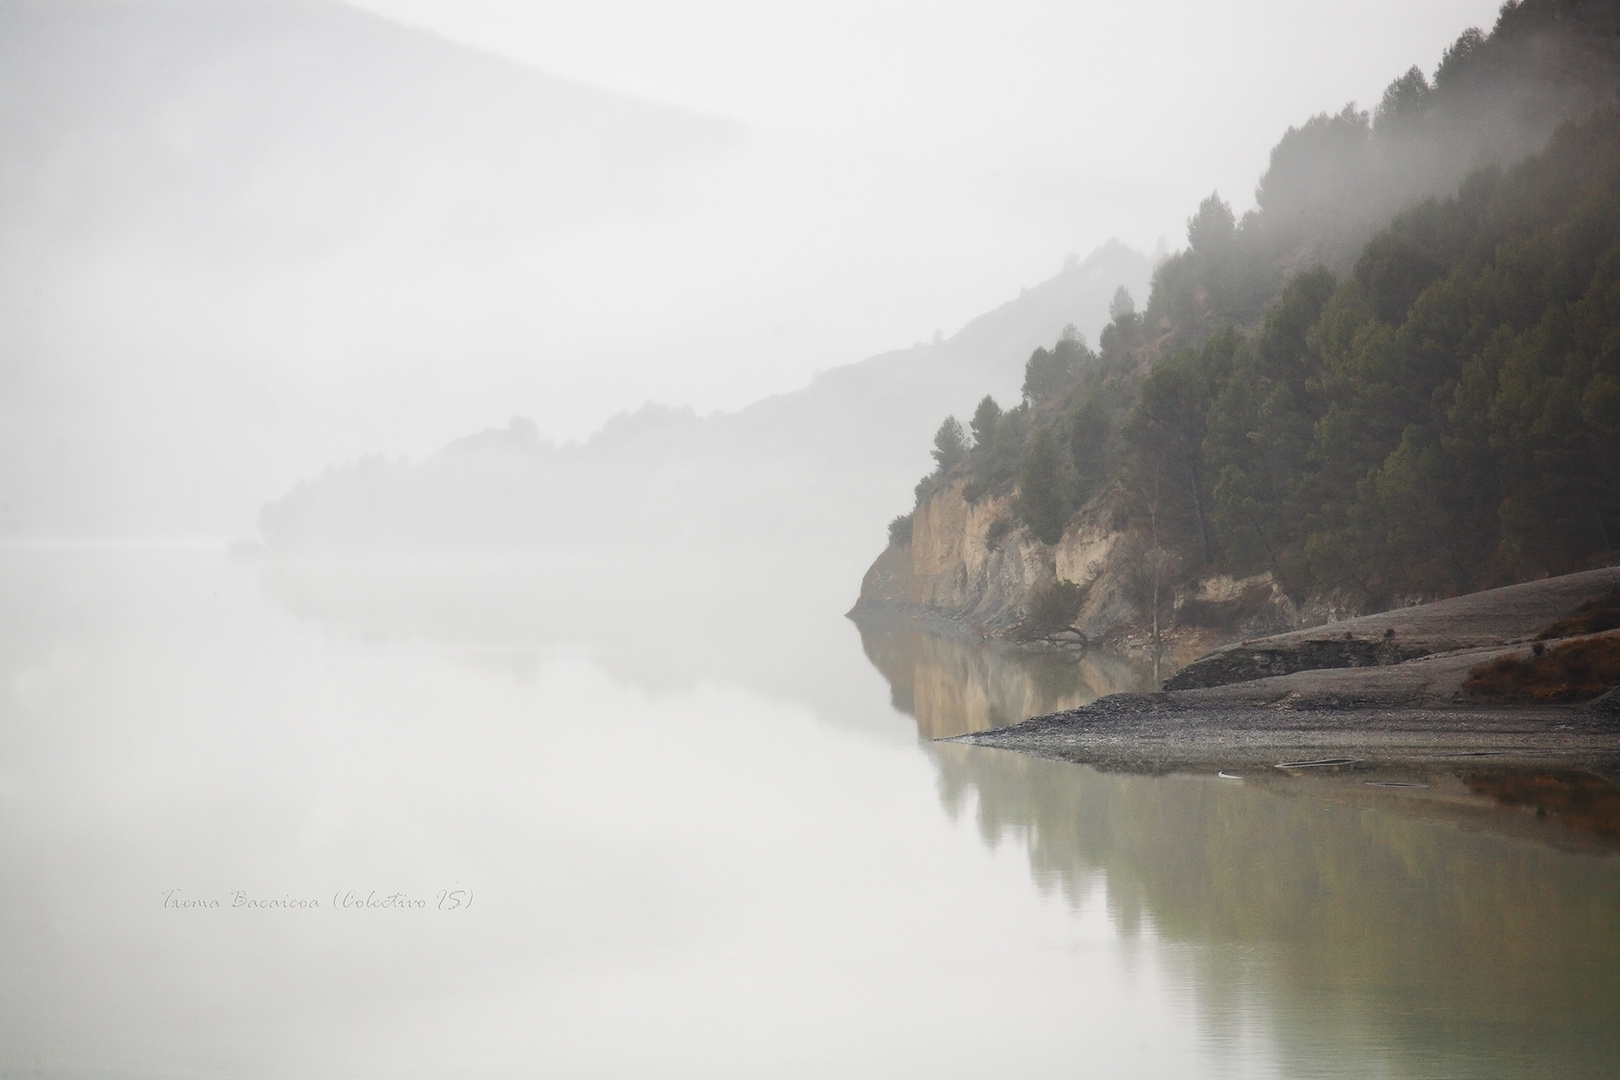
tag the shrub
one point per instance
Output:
(1590, 618)
(1574, 671)
(900, 531)
(1053, 609)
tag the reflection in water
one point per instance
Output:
(1578, 800)
(1379, 941)
(703, 844)
(657, 624)
(1407, 928)
(952, 685)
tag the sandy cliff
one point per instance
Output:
(974, 567)
(962, 562)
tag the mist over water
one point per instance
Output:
(694, 849)
(438, 444)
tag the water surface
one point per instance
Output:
(660, 827)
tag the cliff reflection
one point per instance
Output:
(953, 686)
(658, 624)
(1469, 954)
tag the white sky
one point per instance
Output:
(905, 167)
(929, 159)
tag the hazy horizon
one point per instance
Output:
(506, 506)
(246, 241)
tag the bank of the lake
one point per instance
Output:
(1397, 688)
(1166, 733)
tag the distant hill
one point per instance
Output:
(816, 469)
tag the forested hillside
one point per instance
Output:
(1445, 419)
(1423, 408)
(1337, 179)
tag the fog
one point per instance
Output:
(244, 241)
(439, 440)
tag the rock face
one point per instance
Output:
(1244, 662)
(966, 561)
(976, 565)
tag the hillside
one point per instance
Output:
(1433, 407)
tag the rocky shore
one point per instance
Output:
(1391, 689)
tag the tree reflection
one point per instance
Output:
(1467, 953)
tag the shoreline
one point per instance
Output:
(1381, 690)
(1157, 733)
(1177, 650)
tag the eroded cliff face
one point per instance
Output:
(974, 565)
(965, 561)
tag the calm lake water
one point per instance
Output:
(560, 823)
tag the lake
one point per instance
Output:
(603, 818)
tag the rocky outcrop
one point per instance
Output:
(1243, 663)
(968, 562)
(974, 566)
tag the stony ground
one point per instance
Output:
(1149, 732)
(1382, 690)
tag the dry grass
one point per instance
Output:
(1590, 618)
(1574, 671)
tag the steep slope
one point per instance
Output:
(1237, 460)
